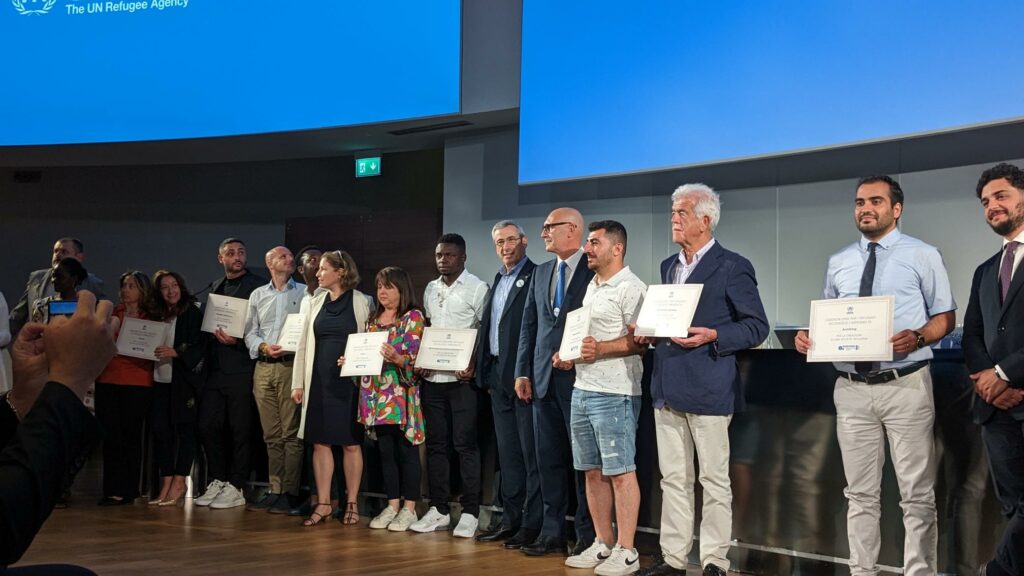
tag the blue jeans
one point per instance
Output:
(604, 431)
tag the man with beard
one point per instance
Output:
(993, 346)
(876, 400)
(269, 307)
(225, 409)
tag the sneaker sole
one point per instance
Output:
(582, 564)
(226, 506)
(444, 528)
(390, 529)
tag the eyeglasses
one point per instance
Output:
(510, 241)
(548, 227)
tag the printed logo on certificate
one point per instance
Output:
(668, 310)
(446, 349)
(851, 329)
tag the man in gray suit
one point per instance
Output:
(40, 286)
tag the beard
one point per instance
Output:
(1014, 220)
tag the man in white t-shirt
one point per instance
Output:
(606, 402)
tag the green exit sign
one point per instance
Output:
(367, 167)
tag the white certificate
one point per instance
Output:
(226, 313)
(668, 310)
(851, 329)
(139, 338)
(577, 327)
(446, 349)
(291, 332)
(362, 354)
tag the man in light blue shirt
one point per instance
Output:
(875, 400)
(269, 307)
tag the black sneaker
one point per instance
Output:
(281, 506)
(265, 503)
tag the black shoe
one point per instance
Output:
(268, 500)
(110, 501)
(581, 546)
(712, 570)
(303, 509)
(281, 506)
(660, 568)
(544, 545)
(522, 538)
(498, 535)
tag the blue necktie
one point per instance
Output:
(560, 287)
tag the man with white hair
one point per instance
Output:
(695, 383)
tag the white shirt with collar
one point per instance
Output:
(682, 270)
(572, 262)
(614, 305)
(1017, 256)
(460, 305)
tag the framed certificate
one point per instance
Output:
(668, 310)
(226, 313)
(446, 349)
(291, 332)
(577, 327)
(851, 329)
(362, 354)
(139, 338)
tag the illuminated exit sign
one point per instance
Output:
(367, 166)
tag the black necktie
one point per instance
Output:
(867, 280)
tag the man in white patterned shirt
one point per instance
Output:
(454, 300)
(606, 402)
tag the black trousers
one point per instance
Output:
(225, 425)
(1004, 440)
(174, 438)
(121, 411)
(558, 478)
(517, 455)
(399, 463)
(450, 413)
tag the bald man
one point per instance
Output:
(557, 288)
(269, 307)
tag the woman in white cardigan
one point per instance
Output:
(329, 401)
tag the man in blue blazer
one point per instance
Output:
(695, 383)
(993, 346)
(497, 350)
(558, 288)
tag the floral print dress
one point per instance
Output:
(393, 398)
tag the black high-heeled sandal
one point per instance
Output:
(316, 517)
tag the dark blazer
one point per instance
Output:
(541, 333)
(994, 332)
(39, 286)
(704, 380)
(509, 326)
(40, 457)
(233, 359)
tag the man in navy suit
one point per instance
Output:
(513, 418)
(558, 288)
(695, 383)
(993, 346)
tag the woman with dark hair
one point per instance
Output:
(67, 276)
(329, 411)
(123, 393)
(389, 404)
(176, 381)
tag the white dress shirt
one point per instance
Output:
(460, 305)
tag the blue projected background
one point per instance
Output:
(102, 71)
(611, 87)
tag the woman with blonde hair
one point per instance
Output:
(329, 400)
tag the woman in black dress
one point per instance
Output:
(176, 380)
(329, 410)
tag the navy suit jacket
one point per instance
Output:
(994, 332)
(704, 380)
(509, 326)
(541, 332)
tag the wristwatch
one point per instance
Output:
(920, 340)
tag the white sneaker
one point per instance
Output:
(212, 490)
(432, 520)
(467, 526)
(383, 520)
(229, 497)
(595, 554)
(620, 561)
(402, 522)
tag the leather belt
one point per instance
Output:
(272, 360)
(884, 376)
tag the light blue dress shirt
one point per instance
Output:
(906, 268)
(501, 291)
(268, 309)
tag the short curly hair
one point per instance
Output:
(1013, 175)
